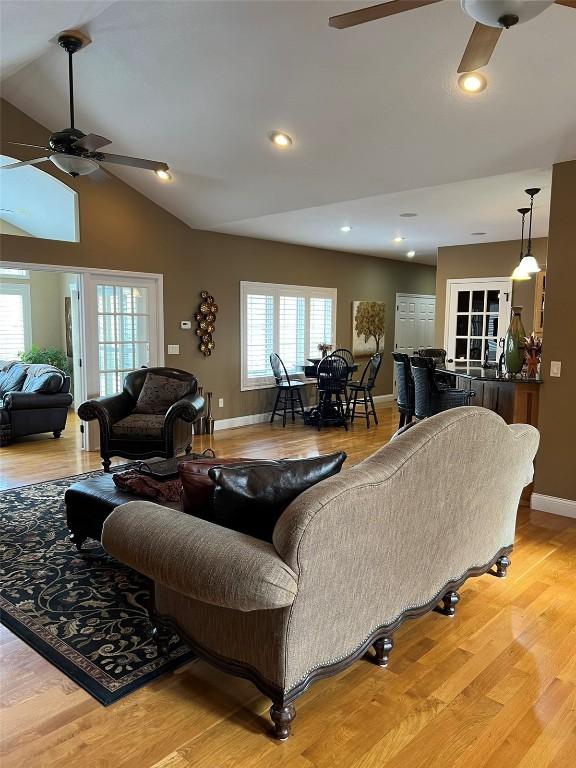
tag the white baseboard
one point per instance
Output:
(260, 418)
(554, 505)
(383, 398)
(242, 421)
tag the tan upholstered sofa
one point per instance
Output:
(388, 539)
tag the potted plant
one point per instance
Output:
(532, 354)
(46, 356)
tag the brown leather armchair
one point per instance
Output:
(132, 435)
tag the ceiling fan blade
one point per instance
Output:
(135, 162)
(374, 12)
(567, 3)
(34, 146)
(92, 142)
(480, 47)
(25, 162)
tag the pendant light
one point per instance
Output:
(520, 273)
(529, 263)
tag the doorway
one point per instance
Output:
(112, 323)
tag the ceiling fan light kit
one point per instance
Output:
(491, 17)
(73, 151)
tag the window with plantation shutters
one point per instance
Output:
(287, 319)
(15, 326)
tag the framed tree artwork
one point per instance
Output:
(368, 327)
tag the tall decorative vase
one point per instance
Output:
(209, 420)
(514, 343)
(199, 423)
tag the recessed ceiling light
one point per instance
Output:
(411, 254)
(164, 175)
(398, 239)
(345, 228)
(472, 82)
(280, 139)
(407, 215)
(477, 234)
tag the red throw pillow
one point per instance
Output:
(197, 487)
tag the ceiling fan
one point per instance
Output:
(72, 151)
(491, 17)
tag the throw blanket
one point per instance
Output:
(132, 481)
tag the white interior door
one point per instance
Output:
(477, 315)
(414, 328)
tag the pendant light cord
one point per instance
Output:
(71, 86)
(529, 249)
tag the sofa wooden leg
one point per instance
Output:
(282, 718)
(57, 433)
(382, 650)
(449, 601)
(106, 463)
(502, 565)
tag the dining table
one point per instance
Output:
(311, 415)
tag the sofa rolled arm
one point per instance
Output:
(19, 401)
(199, 559)
(187, 408)
(108, 410)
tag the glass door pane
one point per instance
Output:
(477, 311)
(123, 326)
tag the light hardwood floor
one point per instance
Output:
(496, 685)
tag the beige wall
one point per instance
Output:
(556, 460)
(485, 260)
(121, 229)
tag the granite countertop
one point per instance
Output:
(486, 374)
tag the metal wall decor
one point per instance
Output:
(206, 319)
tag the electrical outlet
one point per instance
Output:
(555, 368)
(221, 403)
(173, 349)
(185, 325)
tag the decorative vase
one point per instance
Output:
(199, 423)
(208, 420)
(514, 343)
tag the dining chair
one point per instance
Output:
(429, 398)
(348, 356)
(363, 389)
(332, 378)
(288, 394)
(404, 388)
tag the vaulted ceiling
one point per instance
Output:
(380, 127)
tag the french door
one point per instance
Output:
(477, 315)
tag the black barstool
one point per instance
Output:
(288, 396)
(332, 378)
(404, 388)
(428, 397)
(363, 389)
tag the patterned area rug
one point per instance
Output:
(83, 611)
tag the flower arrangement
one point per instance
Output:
(324, 347)
(532, 354)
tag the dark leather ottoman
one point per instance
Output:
(88, 504)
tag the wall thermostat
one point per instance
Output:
(185, 325)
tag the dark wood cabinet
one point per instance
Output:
(515, 400)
